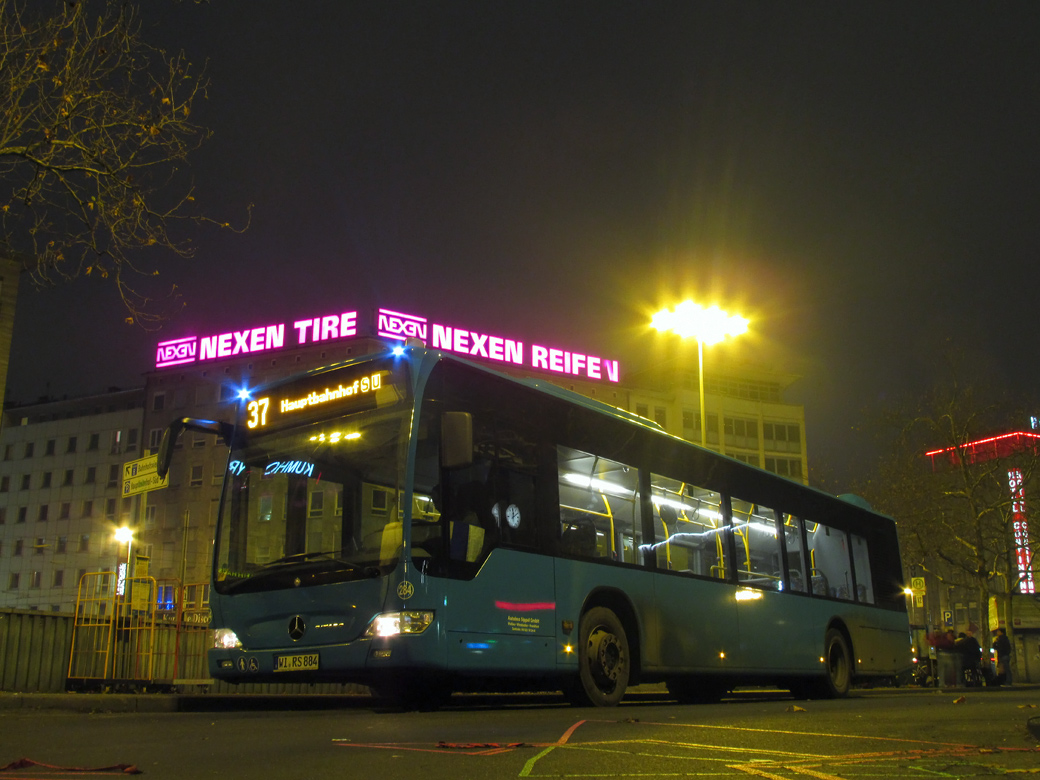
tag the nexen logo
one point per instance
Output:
(401, 326)
(172, 353)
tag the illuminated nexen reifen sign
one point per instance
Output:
(485, 346)
(391, 325)
(1023, 554)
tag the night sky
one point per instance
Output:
(859, 179)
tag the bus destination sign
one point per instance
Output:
(338, 392)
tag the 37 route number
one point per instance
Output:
(257, 411)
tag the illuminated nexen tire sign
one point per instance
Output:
(391, 325)
(252, 340)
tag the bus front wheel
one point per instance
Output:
(604, 661)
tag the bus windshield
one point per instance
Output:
(314, 503)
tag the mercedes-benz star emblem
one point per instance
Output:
(297, 628)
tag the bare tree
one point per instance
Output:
(95, 131)
(957, 501)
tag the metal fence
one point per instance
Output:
(34, 650)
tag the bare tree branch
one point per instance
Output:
(95, 135)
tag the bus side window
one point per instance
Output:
(758, 545)
(689, 534)
(861, 562)
(793, 551)
(831, 568)
(599, 507)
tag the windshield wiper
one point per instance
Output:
(331, 555)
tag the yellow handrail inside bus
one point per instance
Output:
(667, 545)
(610, 516)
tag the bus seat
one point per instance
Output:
(390, 543)
(467, 540)
(820, 586)
(580, 539)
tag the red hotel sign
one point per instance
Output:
(1023, 553)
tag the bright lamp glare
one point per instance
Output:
(225, 639)
(124, 534)
(397, 351)
(243, 394)
(708, 325)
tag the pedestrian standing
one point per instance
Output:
(1002, 647)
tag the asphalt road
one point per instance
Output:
(878, 734)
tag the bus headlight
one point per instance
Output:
(226, 639)
(394, 623)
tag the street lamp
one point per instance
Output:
(709, 326)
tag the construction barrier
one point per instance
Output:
(138, 632)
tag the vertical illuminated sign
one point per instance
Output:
(1023, 553)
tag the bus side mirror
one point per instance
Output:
(169, 438)
(456, 439)
(166, 446)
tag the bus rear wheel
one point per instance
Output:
(838, 662)
(604, 660)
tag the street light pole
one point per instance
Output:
(708, 326)
(700, 388)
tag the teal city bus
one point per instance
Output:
(421, 524)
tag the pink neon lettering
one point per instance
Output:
(224, 345)
(515, 352)
(394, 325)
(478, 344)
(348, 324)
(301, 330)
(441, 336)
(556, 360)
(495, 348)
(594, 364)
(461, 342)
(539, 357)
(177, 352)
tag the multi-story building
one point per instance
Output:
(174, 526)
(745, 415)
(60, 495)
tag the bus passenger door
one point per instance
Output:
(775, 628)
(696, 614)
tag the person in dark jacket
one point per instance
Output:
(1002, 647)
(971, 656)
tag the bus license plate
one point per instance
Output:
(296, 663)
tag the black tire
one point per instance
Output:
(604, 660)
(837, 660)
